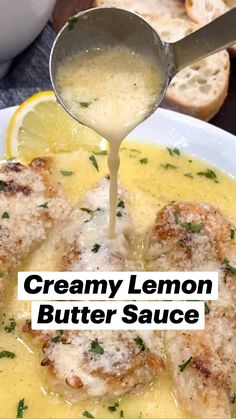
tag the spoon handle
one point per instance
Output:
(217, 35)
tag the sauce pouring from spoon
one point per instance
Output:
(110, 70)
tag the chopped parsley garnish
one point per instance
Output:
(193, 227)
(173, 151)
(182, 243)
(189, 175)
(21, 407)
(176, 217)
(207, 308)
(122, 414)
(11, 326)
(144, 160)
(5, 215)
(89, 211)
(101, 153)
(114, 407)
(168, 166)
(88, 414)
(229, 267)
(85, 104)
(185, 364)
(209, 174)
(7, 354)
(96, 248)
(44, 205)
(67, 172)
(232, 398)
(71, 22)
(139, 341)
(96, 348)
(134, 150)
(57, 338)
(2, 273)
(93, 160)
(232, 234)
(121, 204)
(2, 185)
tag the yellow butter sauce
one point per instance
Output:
(111, 90)
(151, 184)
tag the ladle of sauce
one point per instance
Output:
(110, 70)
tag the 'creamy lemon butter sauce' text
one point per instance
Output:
(110, 90)
(145, 171)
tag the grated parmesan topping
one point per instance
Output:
(23, 191)
(196, 236)
(98, 372)
(88, 230)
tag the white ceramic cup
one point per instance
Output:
(21, 21)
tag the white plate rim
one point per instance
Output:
(172, 129)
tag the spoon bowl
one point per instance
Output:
(109, 27)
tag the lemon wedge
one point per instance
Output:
(41, 127)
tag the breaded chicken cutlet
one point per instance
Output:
(186, 236)
(202, 364)
(99, 364)
(84, 240)
(30, 204)
(103, 364)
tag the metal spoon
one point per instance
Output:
(109, 26)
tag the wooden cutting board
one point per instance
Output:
(225, 119)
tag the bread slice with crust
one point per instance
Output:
(167, 8)
(171, 29)
(204, 11)
(231, 3)
(200, 89)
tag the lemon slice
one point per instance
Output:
(41, 127)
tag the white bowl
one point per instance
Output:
(172, 129)
(21, 21)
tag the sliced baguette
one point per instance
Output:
(204, 11)
(230, 3)
(172, 30)
(200, 89)
(167, 8)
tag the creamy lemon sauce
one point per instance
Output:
(110, 90)
(153, 177)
